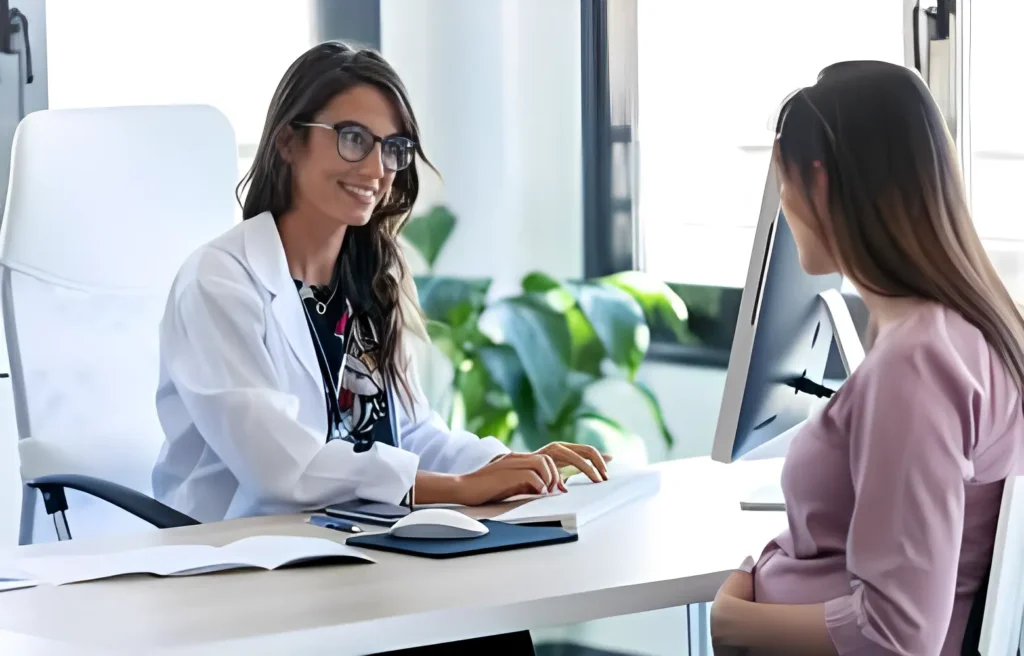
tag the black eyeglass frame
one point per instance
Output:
(405, 142)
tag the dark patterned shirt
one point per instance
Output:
(349, 344)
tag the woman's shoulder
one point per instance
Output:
(935, 358)
(932, 341)
(221, 260)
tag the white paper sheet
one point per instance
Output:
(15, 584)
(13, 578)
(263, 552)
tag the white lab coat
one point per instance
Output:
(241, 400)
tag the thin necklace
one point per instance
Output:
(321, 306)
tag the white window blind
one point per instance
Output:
(997, 135)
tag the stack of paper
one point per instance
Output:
(263, 552)
(586, 501)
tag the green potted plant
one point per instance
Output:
(526, 364)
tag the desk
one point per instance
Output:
(672, 550)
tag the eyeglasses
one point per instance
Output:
(355, 142)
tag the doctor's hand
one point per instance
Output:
(583, 457)
(507, 476)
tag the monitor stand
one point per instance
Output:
(769, 496)
(851, 351)
(764, 498)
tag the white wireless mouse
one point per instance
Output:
(437, 524)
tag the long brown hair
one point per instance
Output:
(899, 220)
(371, 264)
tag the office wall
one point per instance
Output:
(496, 88)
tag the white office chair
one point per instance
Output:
(103, 207)
(1002, 629)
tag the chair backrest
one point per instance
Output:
(103, 207)
(1002, 629)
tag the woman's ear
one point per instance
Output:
(286, 144)
(819, 188)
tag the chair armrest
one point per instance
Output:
(125, 498)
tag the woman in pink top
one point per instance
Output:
(893, 490)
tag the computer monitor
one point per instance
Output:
(786, 325)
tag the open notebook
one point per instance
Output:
(262, 552)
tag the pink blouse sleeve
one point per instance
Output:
(910, 431)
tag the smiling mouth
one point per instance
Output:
(361, 194)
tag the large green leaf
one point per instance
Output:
(487, 408)
(540, 338)
(587, 351)
(699, 299)
(539, 282)
(494, 422)
(507, 372)
(610, 438)
(473, 383)
(553, 293)
(454, 301)
(577, 383)
(618, 320)
(660, 304)
(655, 406)
(427, 233)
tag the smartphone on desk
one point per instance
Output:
(369, 512)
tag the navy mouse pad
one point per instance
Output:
(500, 537)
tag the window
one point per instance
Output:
(706, 84)
(229, 54)
(712, 76)
(997, 136)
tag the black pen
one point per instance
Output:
(335, 523)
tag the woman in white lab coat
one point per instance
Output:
(286, 378)
(287, 382)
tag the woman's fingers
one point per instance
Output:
(545, 468)
(593, 455)
(512, 481)
(556, 477)
(531, 483)
(582, 456)
(530, 462)
(566, 453)
(519, 481)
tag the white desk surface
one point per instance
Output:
(671, 550)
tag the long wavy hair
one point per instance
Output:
(371, 264)
(899, 223)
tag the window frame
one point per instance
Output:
(611, 231)
(356, 22)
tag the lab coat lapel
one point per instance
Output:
(291, 317)
(266, 257)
